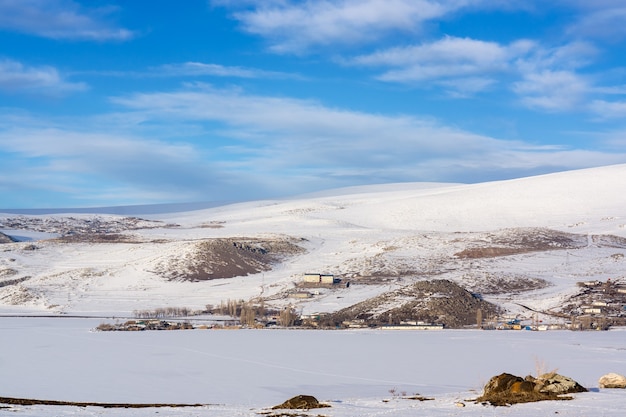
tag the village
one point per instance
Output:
(598, 306)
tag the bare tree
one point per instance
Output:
(288, 316)
(247, 315)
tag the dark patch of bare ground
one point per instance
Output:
(436, 301)
(28, 401)
(506, 399)
(96, 238)
(609, 241)
(6, 239)
(492, 284)
(230, 257)
(517, 241)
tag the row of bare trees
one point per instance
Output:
(163, 312)
(234, 308)
(249, 312)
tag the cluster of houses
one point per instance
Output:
(603, 303)
(600, 305)
(141, 325)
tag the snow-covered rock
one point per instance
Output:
(612, 380)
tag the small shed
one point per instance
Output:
(327, 279)
(319, 278)
(316, 278)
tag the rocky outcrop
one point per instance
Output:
(507, 389)
(227, 258)
(501, 383)
(435, 301)
(554, 383)
(612, 380)
(301, 402)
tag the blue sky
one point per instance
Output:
(138, 102)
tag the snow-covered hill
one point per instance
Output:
(535, 239)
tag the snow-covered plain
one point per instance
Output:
(352, 232)
(243, 373)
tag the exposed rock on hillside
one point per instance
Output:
(609, 241)
(437, 301)
(492, 284)
(5, 239)
(515, 241)
(227, 258)
(18, 295)
(98, 238)
(81, 225)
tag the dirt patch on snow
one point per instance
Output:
(27, 401)
(19, 295)
(517, 241)
(228, 258)
(98, 238)
(492, 284)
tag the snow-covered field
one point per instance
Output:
(243, 373)
(407, 232)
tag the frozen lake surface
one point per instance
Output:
(242, 372)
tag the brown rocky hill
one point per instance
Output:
(437, 301)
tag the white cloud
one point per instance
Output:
(287, 135)
(543, 78)
(552, 90)
(466, 87)
(204, 144)
(88, 165)
(59, 19)
(203, 69)
(442, 59)
(17, 77)
(608, 109)
(549, 78)
(607, 22)
(294, 27)
(569, 56)
(448, 49)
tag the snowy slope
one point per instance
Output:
(409, 231)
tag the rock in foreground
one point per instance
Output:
(612, 380)
(301, 402)
(507, 389)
